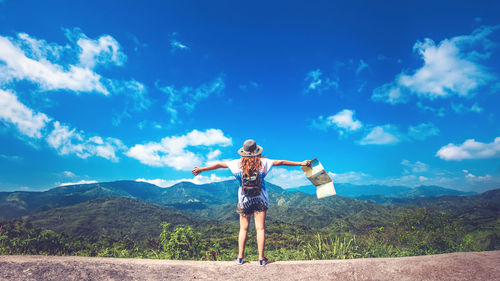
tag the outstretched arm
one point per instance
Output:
(291, 163)
(197, 170)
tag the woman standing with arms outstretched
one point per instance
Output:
(250, 171)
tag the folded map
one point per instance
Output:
(319, 178)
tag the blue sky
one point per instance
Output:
(397, 94)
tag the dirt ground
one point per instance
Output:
(456, 266)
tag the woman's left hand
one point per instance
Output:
(306, 163)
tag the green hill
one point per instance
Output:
(116, 217)
(20, 203)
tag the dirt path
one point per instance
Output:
(456, 266)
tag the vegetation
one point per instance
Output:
(416, 232)
(114, 217)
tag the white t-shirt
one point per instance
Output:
(244, 201)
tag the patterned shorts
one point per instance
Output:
(258, 206)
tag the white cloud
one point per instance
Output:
(474, 178)
(62, 138)
(11, 157)
(172, 151)
(150, 124)
(390, 93)
(215, 161)
(27, 122)
(343, 121)
(137, 43)
(321, 123)
(251, 85)
(416, 167)
(136, 98)
(450, 68)
(362, 65)
(410, 180)
(133, 89)
(202, 92)
(316, 83)
(460, 108)
(199, 179)
(176, 45)
(39, 49)
(49, 76)
(361, 87)
(446, 179)
(189, 97)
(416, 174)
(213, 154)
(69, 67)
(78, 182)
(470, 149)
(381, 135)
(54, 67)
(69, 174)
(68, 141)
(423, 131)
(423, 179)
(287, 178)
(105, 50)
(440, 112)
(349, 177)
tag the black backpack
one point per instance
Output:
(251, 184)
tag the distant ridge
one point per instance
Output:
(20, 203)
(356, 191)
(212, 201)
(197, 198)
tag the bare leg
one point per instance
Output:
(260, 227)
(242, 239)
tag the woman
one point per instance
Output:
(250, 171)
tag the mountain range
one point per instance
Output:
(356, 191)
(136, 209)
(186, 195)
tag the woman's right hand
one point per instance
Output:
(196, 171)
(306, 163)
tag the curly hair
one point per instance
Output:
(250, 163)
